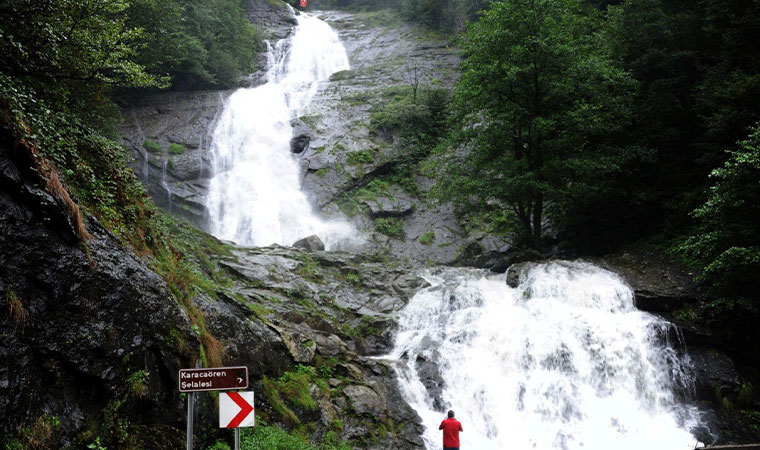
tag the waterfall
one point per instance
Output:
(564, 361)
(255, 195)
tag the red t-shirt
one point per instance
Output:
(451, 429)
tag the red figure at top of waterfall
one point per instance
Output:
(303, 3)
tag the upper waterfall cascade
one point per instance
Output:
(255, 196)
(564, 361)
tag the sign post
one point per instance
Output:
(211, 379)
(235, 411)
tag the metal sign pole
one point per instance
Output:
(237, 438)
(190, 405)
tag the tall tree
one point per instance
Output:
(538, 99)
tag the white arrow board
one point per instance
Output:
(236, 409)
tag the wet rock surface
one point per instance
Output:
(101, 334)
(89, 317)
(169, 136)
(335, 305)
(659, 285)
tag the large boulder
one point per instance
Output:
(310, 243)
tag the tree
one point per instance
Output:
(726, 247)
(71, 40)
(534, 110)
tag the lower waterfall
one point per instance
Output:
(563, 361)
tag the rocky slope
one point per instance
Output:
(94, 338)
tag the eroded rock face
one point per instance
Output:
(339, 306)
(659, 285)
(169, 135)
(90, 316)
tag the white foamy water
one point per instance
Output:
(255, 197)
(564, 361)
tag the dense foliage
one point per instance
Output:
(604, 121)
(197, 43)
(726, 246)
(440, 15)
(537, 107)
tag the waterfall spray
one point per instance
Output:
(565, 361)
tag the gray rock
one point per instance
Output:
(714, 373)
(365, 400)
(430, 376)
(395, 203)
(659, 284)
(299, 143)
(311, 243)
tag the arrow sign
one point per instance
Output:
(236, 409)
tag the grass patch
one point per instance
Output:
(291, 390)
(176, 149)
(361, 157)
(427, 238)
(151, 146)
(16, 311)
(390, 226)
(321, 172)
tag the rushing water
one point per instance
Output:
(564, 361)
(255, 197)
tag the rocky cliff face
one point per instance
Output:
(94, 339)
(89, 332)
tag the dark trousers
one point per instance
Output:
(450, 448)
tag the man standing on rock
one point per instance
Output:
(451, 428)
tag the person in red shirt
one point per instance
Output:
(451, 428)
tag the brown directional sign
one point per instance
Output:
(213, 379)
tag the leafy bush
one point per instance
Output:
(361, 157)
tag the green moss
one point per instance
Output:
(176, 149)
(342, 75)
(427, 238)
(321, 172)
(361, 157)
(390, 226)
(151, 146)
(311, 120)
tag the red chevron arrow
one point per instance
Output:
(245, 409)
